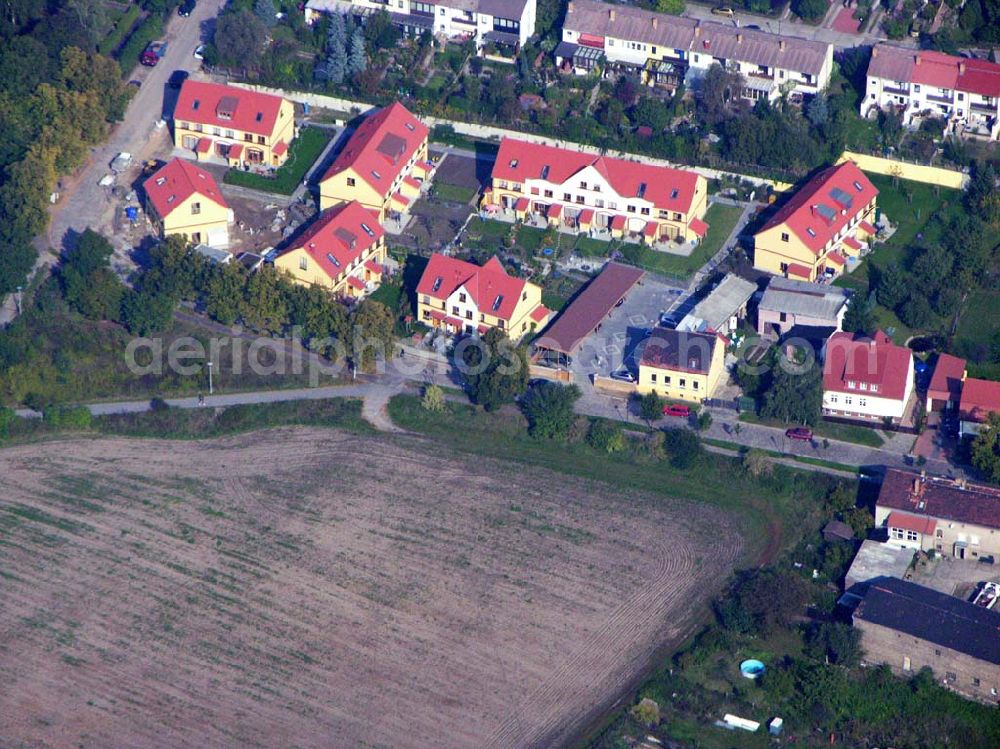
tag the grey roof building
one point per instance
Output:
(788, 303)
(876, 560)
(722, 309)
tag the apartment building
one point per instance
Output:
(681, 365)
(825, 225)
(383, 165)
(949, 516)
(497, 26)
(239, 127)
(462, 297)
(920, 83)
(342, 251)
(182, 198)
(597, 195)
(667, 50)
(867, 379)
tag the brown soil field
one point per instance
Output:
(313, 588)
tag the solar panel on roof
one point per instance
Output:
(841, 197)
(346, 236)
(826, 212)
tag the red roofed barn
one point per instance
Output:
(342, 251)
(383, 164)
(182, 198)
(243, 128)
(605, 197)
(866, 378)
(820, 228)
(945, 388)
(980, 398)
(461, 297)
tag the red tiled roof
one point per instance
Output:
(866, 227)
(699, 227)
(227, 107)
(946, 382)
(669, 189)
(836, 258)
(411, 182)
(485, 285)
(590, 306)
(178, 181)
(852, 243)
(940, 498)
(817, 210)
(381, 146)
(907, 522)
(797, 269)
(872, 361)
(540, 312)
(932, 68)
(373, 266)
(980, 398)
(280, 148)
(339, 233)
(680, 350)
(401, 199)
(204, 145)
(438, 315)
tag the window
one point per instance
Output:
(939, 533)
(682, 384)
(548, 193)
(644, 211)
(583, 185)
(303, 263)
(862, 402)
(454, 309)
(351, 182)
(261, 140)
(468, 314)
(916, 88)
(937, 651)
(783, 316)
(833, 399)
(461, 298)
(784, 236)
(975, 681)
(195, 208)
(248, 137)
(783, 267)
(427, 299)
(612, 205)
(694, 385)
(652, 377)
(950, 676)
(567, 197)
(666, 380)
(579, 199)
(678, 217)
(874, 388)
(630, 208)
(848, 400)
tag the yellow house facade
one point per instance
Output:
(343, 251)
(184, 199)
(383, 166)
(596, 195)
(681, 365)
(239, 127)
(822, 229)
(461, 297)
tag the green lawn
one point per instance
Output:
(453, 193)
(503, 435)
(489, 235)
(720, 218)
(859, 435)
(303, 154)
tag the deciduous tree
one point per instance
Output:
(548, 407)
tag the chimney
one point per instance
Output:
(781, 44)
(874, 51)
(611, 14)
(697, 31)
(655, 22)
(961, 68)
(739, 38)
(923, 474)
(916, 59)
(916, 485)
(569, 6)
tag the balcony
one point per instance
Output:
(941, 99)
(896, 91)
(761, 75)
(978, 106)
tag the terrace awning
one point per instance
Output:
(867, 228)
(852, 243)
(618, 222)
(801, 271)
(373, 267)
(836, 258)
(555, 210)
(521, 205)
(699, 227)
(281, 148)
(204, 145)
(586, 217)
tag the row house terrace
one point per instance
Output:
(499, 27)
(666, 51)
(603, 197)
(922, 83)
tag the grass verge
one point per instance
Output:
(859, 435)
(303, 154)
(453, 193)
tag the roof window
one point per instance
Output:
(437, 283)
(332, 259)
(513, 163)
(161, 180)
(857, 186)
(545, 172)
(810, 232)
(497, 302)
(259, 117)
(409, 126)
(195, 104)
(674, 193)
(376, 175)
(642, 190)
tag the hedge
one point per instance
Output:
(124, 25)
(147, 31)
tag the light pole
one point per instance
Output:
(210, 390)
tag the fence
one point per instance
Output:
(933, 175)
(613, 387)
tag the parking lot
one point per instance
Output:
(614, 344)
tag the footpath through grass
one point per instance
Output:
(859, 435)
(713, 479)
(304, 151)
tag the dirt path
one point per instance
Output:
(375, 407)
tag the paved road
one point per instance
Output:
(83, 203)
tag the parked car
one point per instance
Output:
(804, 434)
(623, 374)
(177, 78)
(186, 8)
(723, 10)
(153, 53)
(674, 409)
(199, 52)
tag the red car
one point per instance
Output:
(675, 410)
(800, 433)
